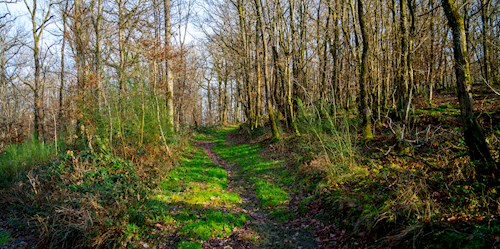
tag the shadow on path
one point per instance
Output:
(260, 231)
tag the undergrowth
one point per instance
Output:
(92, 194)
(88, 198)
(331, 141)
(394, 199)
(16, 159)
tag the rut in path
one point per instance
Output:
(269, 233)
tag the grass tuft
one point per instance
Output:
(19, 158)
(332, 141)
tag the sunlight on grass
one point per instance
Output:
(189, 245)
(213, 223)
(271, 193)
(18, 158)
(193, 200)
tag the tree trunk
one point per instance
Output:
(473, 134)
(404, 79)
(62, 73)
(169, 80)
(249, 107)
(37, 32)
(97, 53)
(485, 4)
(209, 102)
(270, 109)
(364, 108)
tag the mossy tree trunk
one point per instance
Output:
(363, 66)
(473, 134)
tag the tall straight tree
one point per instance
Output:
(405, 84)
(80, 43)
(38, 27)
(485, 22)
(249, 110)
(64, 13)
(363, 66)
(473, 134)
(97, 20)
(168, 70)
(270, 108)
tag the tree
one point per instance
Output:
(363, 67)
(473, 134)
(270, 108)
(485, 23)
(37, 29)
(405, 78)
(169, 81)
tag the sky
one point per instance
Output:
(17, 8)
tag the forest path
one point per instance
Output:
(260, 230)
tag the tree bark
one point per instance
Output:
(63, 72)
(37, 32)
(473, 134)
(364, 108)
(270, 109)
(405, 73)
(169, 94)
(485, 4)
(249, 107)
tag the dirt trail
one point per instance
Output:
(269, 233)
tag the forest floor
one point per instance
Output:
(224, 196)
(234, 188)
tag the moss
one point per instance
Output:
(367, 132)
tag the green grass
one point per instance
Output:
(269, 194)
(189, 245)
(331, 141)
(265, 175)
(194, 202)
(442, 110)
(4, 237)
(19, 158)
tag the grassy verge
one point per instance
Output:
(102, 199)
(16, 159)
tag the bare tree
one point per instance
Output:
(267, 83)
(38, 28)
(169, 80)
(473, 134)
(363, 96)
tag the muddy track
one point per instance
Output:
(268, 232)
